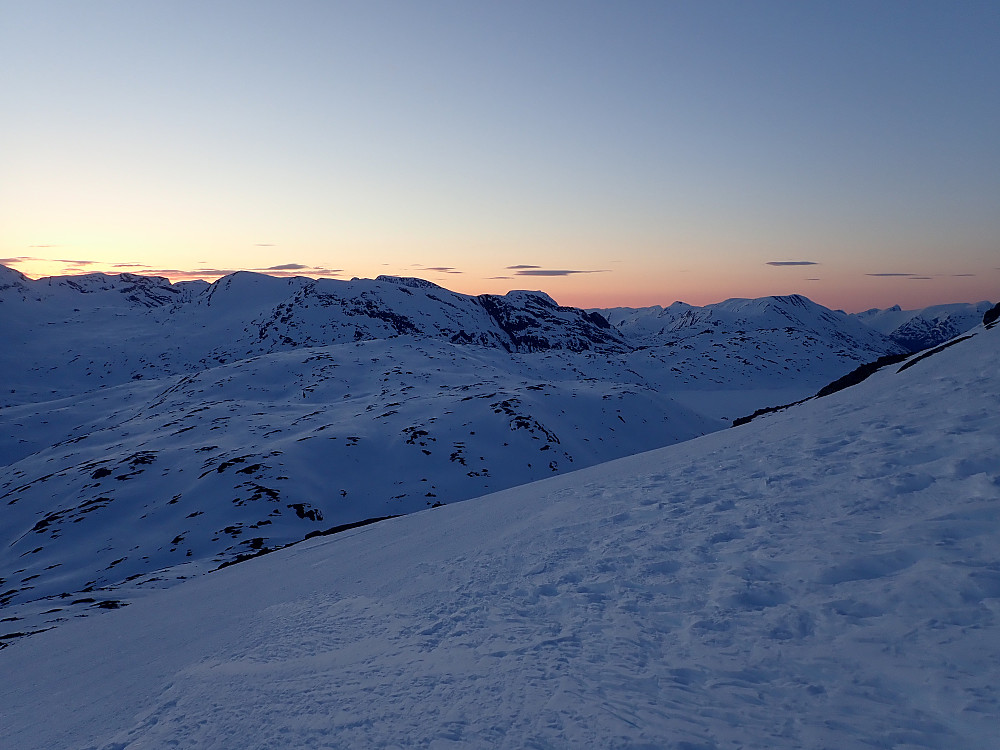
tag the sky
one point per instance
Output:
(610, 153)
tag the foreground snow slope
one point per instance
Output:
(824, 577)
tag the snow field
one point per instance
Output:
(826, 577)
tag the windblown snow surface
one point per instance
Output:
(824, 577)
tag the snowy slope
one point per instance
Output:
(823, 577)
(158, 430)
(921, 329)
(152, 482)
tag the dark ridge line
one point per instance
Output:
(857, 375)
(860, 374)
(767, 410)
(327, 532)
(991, 315)
(934, 351)
(346, 527)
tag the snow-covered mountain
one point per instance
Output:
(916, 330)
(154, 431)
(68, 335)
(822, 577)
(735, 319)
(733, 357)
(71, 334)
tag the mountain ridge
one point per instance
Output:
(246, 314)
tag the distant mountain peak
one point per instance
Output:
(10, 277)
(926, 327)
(531, 294)
(411, 282)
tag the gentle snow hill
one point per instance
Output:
(823, 577)
(916, 330)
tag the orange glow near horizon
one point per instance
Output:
(852, 292)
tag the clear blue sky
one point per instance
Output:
(671, 150)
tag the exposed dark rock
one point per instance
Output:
(932, 352)
(301, 510)
(348, 526)
(110, 604)
(991, 315)
(860, 374)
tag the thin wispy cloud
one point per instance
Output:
(520, 267)
(264, 244)
(791, 263)
(283, 270)
(309, 271)
(495, 278)
(420, 267)
(920, 278)
(44, 245)
(72, 267)
(557, 272)
(889, 274)
(963, 275)
(188, 275)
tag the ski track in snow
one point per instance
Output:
(825, 578)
